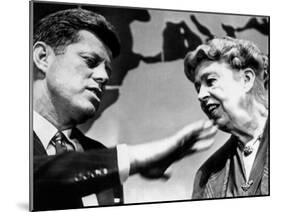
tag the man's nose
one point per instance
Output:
(100, 74)
(203, 93)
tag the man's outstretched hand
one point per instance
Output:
(152, 159)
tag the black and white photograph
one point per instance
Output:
(135, 105)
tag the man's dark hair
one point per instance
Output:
(61, 29)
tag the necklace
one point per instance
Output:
(249, 148)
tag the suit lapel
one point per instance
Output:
(218, 181)
(104, 197)
(260, 166)
(217, 184)
(85, 142)
(38, 148)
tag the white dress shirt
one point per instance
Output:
(46, 131)
(249, 159)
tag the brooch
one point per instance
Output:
(248, 150)
(245, 187)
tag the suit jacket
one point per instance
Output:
(211, 180)
(60, 181)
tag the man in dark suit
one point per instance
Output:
(72, 53)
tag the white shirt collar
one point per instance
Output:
(45, 130)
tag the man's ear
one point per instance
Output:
(248, 78)
(42, 56)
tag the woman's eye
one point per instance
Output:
(211, 81)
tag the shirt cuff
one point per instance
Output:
(123, 162)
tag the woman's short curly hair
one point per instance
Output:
(238, 53)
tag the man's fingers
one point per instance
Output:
(205, 139)
(200, 127)
(203, 144)
(194, 129)
(210, 132)
(189, 137)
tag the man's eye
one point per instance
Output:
(91, 62)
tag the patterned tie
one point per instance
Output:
(59, 141)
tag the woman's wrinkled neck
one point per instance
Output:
(252, 124)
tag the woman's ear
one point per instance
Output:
(248, 78)
(42, 54)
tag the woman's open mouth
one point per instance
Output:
(211, 109)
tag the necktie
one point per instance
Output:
(59, 141)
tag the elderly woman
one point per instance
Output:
(230, 77)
